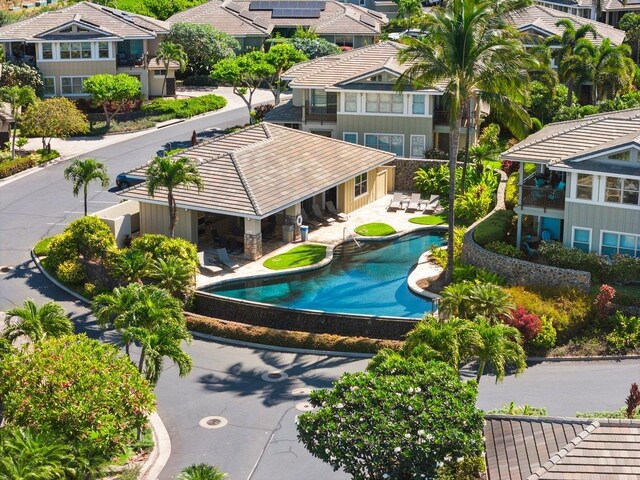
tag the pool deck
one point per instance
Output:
(332, 235)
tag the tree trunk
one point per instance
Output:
(164, 82)
(276, 93)
(86, 185)
(126, 349)
(142, 358)
(13, 140)
(172, 214)
(454, 140)
(569, 94)
(466, 148)
(481, 365)
(107, 118)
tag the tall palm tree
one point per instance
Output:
(83, 172)
(169, 173)
(201, 471)
(35, 322)
(470, 48)
(170, 52)
(17, 97)
(500, 346)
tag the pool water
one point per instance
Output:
(371, 280)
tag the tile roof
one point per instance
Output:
(262, 169)
(620, 5)
(544, 19)
(551, 448)
(235, 17)
(285, 113)
(110, 20)
(574, 139)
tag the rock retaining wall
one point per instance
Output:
(406, 169)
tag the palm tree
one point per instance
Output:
(170, 52)
(82, 172)
(500, 346)
(35, 322)
(130, 266)
(173, 274)
(455, 299)
(490, 301)
(17, 97)
(468, 46)
(201, 472)
(169, 173)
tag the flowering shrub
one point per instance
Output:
(625, 336)
(546, 337)
(604, 301)
(526, 322)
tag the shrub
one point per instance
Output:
(61, 249)
(624, 269)
(546, 337)
(511, 191)
(535, 303)
(494, 228)
(463, 272)
(42, 247)
(71, 271)
(161, 246)
(436, 154)
(625, 336)
(91, 237)
(17, 165)
(474, 204)
(199, 81)
(46, 155)
(260, 111)
(504, 249)
(529, 324)
(467, 468)
(509, 167)
(604, 301)
(514, 409)
(184, 108)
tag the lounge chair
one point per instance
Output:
(319, 215)
(307, 220)
(207, 268)
(396, 201)
(531, 252)
(546, 236)
(414, 202)
(341, 217)
(432, 204)
(223, 256)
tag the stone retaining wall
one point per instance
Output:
(406, 169)
(290, 319)
(515, 271)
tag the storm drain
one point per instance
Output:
(213, 422)
(274, 376)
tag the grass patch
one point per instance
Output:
(300, 256)
(42, 247)
(438, 219)
(375, 230)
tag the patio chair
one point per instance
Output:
(307, 220)
(414, 202)
(341, 217)
(223, 256)
(207, 268)
(545, 236)
(320, 216)
(531, 252)
(396, 201)
(432, 204)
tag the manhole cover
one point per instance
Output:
(213, 422)
(301, 392)
(274, 376)
(304, 406)
(5, 269)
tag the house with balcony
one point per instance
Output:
(585, 190)
(352, 97)
(607, 11)
(252, 22)
(85, 39)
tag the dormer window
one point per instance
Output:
(621, 156)
(66, 30)
(376, 78)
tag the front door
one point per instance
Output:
(381, 184)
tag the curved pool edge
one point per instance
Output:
(425, 270)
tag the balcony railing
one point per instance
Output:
(441, 117)
(123, 60)
(328, 113)
(545, 197)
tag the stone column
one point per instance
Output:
(252, 239)
(290, 215)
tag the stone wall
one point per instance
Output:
(290, 319)
(406, 169)
(515, 271)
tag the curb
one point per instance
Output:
(161, 449)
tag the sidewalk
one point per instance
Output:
(73, 147)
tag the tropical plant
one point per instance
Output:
(528, 324)
(170, 52)
(173, 274)
(630, 23)
(82, 172)
(131, 265)
(468, 44)
(546, 337)
(514, 409)
(203, 44)
(36, 323)
(500, 347)
(53, 117)
(169, 173)
(489, 301)
(201, 471)
(112, 92)
(17, 97)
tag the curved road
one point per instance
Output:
(259, 440)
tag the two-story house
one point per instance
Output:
(585, 191)
(85, 39)
(352, 96)
(607, 11)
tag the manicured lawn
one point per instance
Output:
(438, 219)
(374, 230)
(300, 256)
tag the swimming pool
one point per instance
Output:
(371, 280)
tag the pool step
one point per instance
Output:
(352, 249)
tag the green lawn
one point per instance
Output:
(438, 219)
(300, 256)
(374, 230)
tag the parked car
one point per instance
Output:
(125, 180)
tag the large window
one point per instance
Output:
(103, 49)
(75, 50)
(360, 185)
(350, 102)
(622, 190)
(47, 51)
(584, 186)
(384, 103)
(581, 238)
(351, 137)
(418, 104)
(623, 243)
(318, 98)
(388, 143)
(72, 85)
(49, 86)
(418, 145)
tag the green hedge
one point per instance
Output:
(511, 191)
(494, 228)
(184, 108)
(286, 338)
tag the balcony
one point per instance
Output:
(123, 60)
(441, 117)
(544, 197)
(324, 114)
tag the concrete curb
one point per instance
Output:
(161, 449)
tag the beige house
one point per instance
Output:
(607, 11)
(251, 22)
(258, 180)
(85, 39)
(352, 97)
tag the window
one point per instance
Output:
(159, 73)
(418, 105)
(621, 156)
(384, 103)
(75, 50)
(418, 145)
(388, 143)
(585, 186)
(350, 137)
(361, 185)
(72, 85)
(103, 50)
(581, 239)
(623, 243)
(622, 190)
(49, 86)
(344, 41)
(318, 98)
(47, 51)
(350, 102)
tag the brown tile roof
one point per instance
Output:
(544, 19)
(235, 18)
(262, 169)
(285, 113)
(620, 5)
(574, 139)
(547, 448)
(110, 20)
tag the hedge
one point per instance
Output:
(494, 228)
(184, 108)
(285, 338)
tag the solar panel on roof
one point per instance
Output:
(287, 4)
(296, 13)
